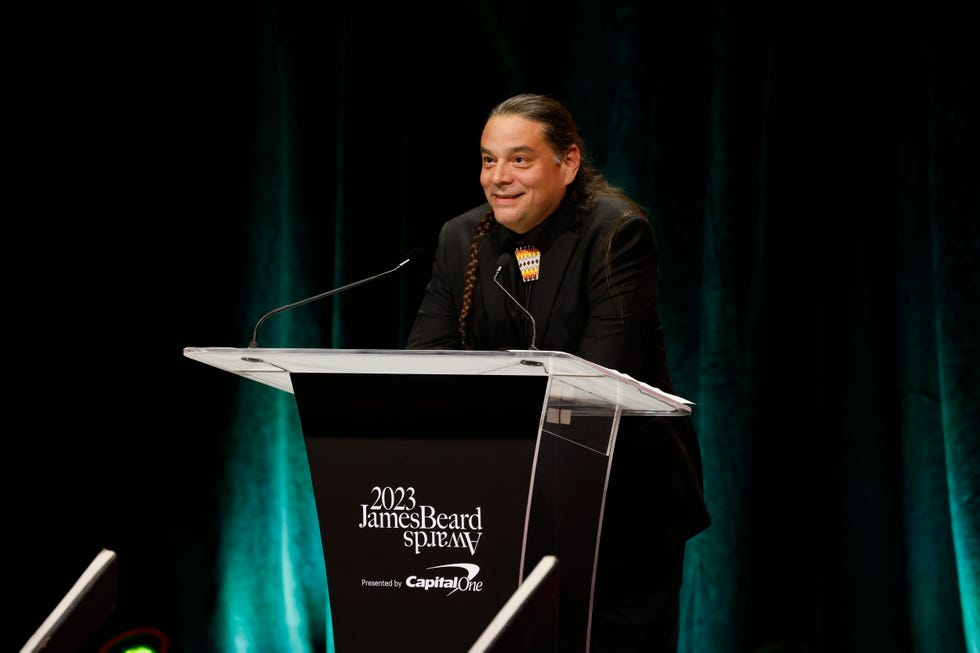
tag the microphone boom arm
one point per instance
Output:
(254, 343)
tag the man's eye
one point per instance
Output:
(519, 160)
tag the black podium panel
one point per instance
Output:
(422, 486)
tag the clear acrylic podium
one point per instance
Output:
(441, 478)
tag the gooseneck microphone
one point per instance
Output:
(503, 261)
(415, 254)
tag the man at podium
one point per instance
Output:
(558, 259)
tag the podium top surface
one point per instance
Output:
(273, 366)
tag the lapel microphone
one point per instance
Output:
(503, 261)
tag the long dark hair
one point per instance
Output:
(561, 133)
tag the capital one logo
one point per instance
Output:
(452, 583)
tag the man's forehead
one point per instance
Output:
(509, 135)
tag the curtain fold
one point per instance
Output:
(270, 576)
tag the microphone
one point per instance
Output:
(416, 253)
(503, 261)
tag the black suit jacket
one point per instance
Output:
(596, 296)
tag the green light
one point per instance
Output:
(139, 649)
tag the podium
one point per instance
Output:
(442, 478)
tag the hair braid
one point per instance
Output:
(471, 269)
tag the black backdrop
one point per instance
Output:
(811, 174)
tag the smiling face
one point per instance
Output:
(523, 178)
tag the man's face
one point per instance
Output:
(521, 178)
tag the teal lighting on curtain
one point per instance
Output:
(934, 611)
(272, 592)
(940, 393)
(956, 281)
(715, 566)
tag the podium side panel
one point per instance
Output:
(566, 514)
(421, 485)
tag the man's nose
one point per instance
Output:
(501, 174)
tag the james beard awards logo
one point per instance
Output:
(424, 527)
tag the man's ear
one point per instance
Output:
(570, 163)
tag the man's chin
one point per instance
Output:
(506, 218)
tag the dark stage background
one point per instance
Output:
(810, 171)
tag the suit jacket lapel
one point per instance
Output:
(494, 300)
(553, 265)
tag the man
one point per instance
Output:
(587, 273)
